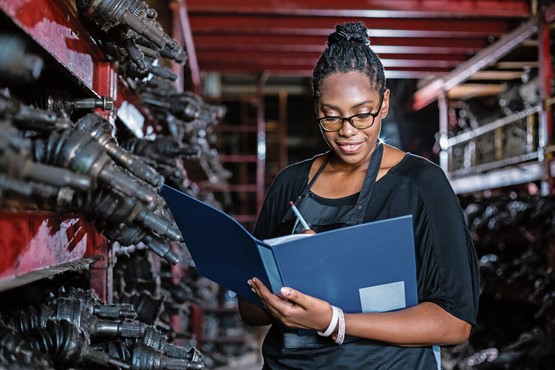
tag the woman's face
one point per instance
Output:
(344, 95)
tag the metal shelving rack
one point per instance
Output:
(40, 244)
(532, 164)
(249, 138)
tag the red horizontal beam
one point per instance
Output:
(311, 43)
(243, 67)
(492, 54)
(255, 71)
(379, 49)
(322, 26)
(374, 32)
(262, 60)
(367, 8)
(37, 245)
(297, 71)
(252, 55)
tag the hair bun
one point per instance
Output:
(347, 32)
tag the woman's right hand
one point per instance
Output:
(293, 308)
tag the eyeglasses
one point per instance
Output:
(358, 121)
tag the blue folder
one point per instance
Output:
(363, 268)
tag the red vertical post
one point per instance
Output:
(177, 35)
(180, 16)
(282, 129)
(101, 271)
(105, 83)
(197, 319)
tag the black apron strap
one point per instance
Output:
(309, 185)
(370, 180)
(289, 215)
(317, 214)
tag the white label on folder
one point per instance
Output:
(382, 298)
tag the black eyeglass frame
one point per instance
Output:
(343, 119)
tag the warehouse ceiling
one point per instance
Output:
(416, 39)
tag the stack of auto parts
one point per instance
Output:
(132, 35)
(74, 329)
(129, 33)
(80, 159)
(514, 238)
(63, 149)
(152, 289)
(188, 119)
(161, 295)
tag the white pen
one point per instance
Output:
(299, 216)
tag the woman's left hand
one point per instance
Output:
(294, 309)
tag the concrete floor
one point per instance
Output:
(250, 361)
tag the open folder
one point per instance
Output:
(363, 268)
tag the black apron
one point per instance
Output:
(286, 348)
(321, 217)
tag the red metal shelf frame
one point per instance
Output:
(36, 245)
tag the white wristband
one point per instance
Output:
(333, 323)
(341, 331)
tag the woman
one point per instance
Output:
(360, 180)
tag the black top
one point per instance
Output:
(446, 263)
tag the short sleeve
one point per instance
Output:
(448, 273)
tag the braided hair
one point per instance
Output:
(348, 49)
